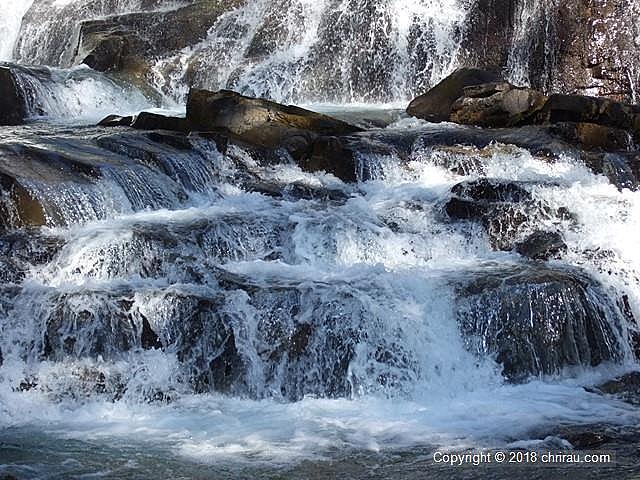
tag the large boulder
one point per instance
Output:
(435, 105)
(12, 103)
(261, 122)
(497, 105)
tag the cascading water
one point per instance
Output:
(12, 13)
(329, 51)
(185, 304)
(533, 33)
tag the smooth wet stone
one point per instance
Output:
(497, 105)
(260, 122)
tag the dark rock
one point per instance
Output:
(22, 209)
(491, 190)
(590, 136)
(131, 41)
(496, 105)
(583, 109)
(538, 320)
(154, 121)
(332, 155)
(625, 387)
(542, 245)
(149, 339)
(13, 108)
(116, 121)
(261, 122)
(462, 209)
(621, 168)
(436, 104)
(587, 440)
(503, 208)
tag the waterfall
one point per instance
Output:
(328, 51)
(12, 13)
(532, 41)
(190, 304)
(78, 94)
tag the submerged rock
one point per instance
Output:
(13, 109)
(536, 321)
(437, 103)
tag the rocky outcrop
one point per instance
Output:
(587, 122)
(436, 104)
(12, 103)
(267, 124)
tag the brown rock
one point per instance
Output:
(497, 105)
(591, 136)
(435, 105)
(261, 122)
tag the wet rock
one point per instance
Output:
(587, 440)
(542, 245)
(590, 136)
(503, 208)
(154, 121)
(261, 122)
(19, 207)
(463, 209)
(491, 190)
(625, 387)
(13, 108)
(496, 105)
(116, 121)
(130, 42)
(599, 111)
(149, 339)
(621, 168)
(538, 320)
(332, 155)
(436, 104)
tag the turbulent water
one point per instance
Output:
(193, 310)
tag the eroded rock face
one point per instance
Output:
(536, 321)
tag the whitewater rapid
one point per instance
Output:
(397, 280)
